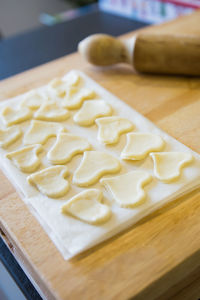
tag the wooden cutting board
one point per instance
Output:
(158, 256)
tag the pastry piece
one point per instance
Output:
(51, 181)
(94, 165)
(26, 159)
(60, 87)
(32, 100)
(110, 129)
(87, 207)
(92, 110)
(72, 79)
(168, 165)
(75, 97)
(139, 145)
(51, 112)
(9, 136)
(39, 132)
(67, 146)
(127, 189)
(11, 116)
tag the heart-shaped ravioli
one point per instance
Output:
(51, 181)
(127, 189)
(67, 146)
(92, 110)
(39, 132)
(110, 129)
(73, 79)
(12, 116)
(75, 97)
(9, 136)
(87, 206)
(139, 145)
(26, 159)
(168, 165)
(94, 165)
(32, 100)
(60, 87)
(51, 112)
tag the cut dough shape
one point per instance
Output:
(73, 79)
(51, 112)
(127, 189)
(90, 111)
(110, 129)
(87, 207)
(9, 136)
(60, 87)
(168, 165)
(139, 145)
(67, 146)
(51, 181)
(75, 97)
(26, 159)
(11, 116)
(32, 100)
(39, 132)
(94, 165)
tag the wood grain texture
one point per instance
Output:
(149, 260)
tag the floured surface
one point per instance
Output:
(77, 238)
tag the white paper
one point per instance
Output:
(70, 235)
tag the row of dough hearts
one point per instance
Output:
(52, 111)
(109, 129)
(138, 146)
(95, 164)
(127, 190)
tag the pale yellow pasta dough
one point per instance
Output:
(94, 165)
(66, 146)
(12, 116)
(110, 129)
(32, 100)
(39, 132)
(9, 136)
(60, 87)
(168, 165)
(127, 189)
(73, 79)
(90, 111)
(51, 181)
(140, 144)
(51, 112)
(75, 97)
(26, 159)
(87, 207)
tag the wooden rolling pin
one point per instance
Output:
(147, 53)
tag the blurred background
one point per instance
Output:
(22, 15)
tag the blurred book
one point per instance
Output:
(48, 19)
(150, 11)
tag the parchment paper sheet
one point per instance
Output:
(70, 235)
